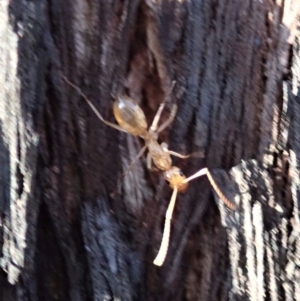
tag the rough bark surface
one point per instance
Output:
(236, 66)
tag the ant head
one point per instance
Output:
(175, 177)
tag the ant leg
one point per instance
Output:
(196, 154)
(160, 109)
(140, 153)
(128, 168)
(169, 120)
(115, 126)
(157, 117)
(205, 171)
(149, 161)
(160, 257)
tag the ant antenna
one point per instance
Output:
(205, 171)
(160, 257)
(218, 191)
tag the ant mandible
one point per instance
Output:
(132, 120)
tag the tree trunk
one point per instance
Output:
(64, 235)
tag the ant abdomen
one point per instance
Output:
(130, 116)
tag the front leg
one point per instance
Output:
(149, 161)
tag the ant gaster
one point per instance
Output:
(131, 119)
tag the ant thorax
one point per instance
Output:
(176, 178)
(161, 158)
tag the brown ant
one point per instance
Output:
(132, 120)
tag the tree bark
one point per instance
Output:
(63, 235)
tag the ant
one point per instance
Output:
(131, 119)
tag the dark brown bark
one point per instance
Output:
(63, 236)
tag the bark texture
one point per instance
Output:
(63, 236)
